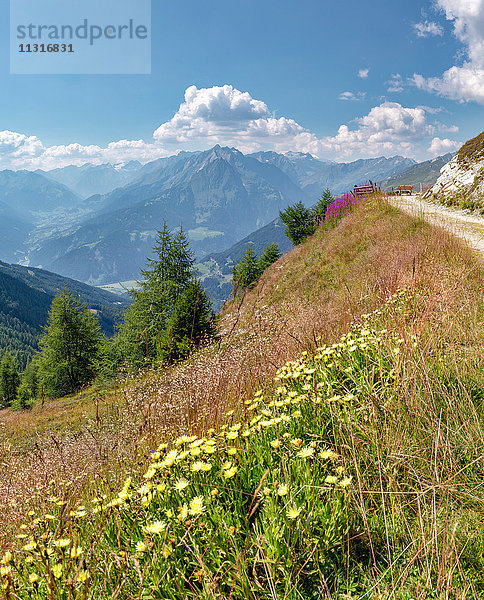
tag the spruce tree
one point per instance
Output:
(299, 222)
(24, 397)
(322, 204)
(190, 322)
(269, 255)
(247, 271)
(69, 346)
(165, 279)
(9, 379)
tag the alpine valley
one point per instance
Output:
(97, 223)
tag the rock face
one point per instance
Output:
(461, 180)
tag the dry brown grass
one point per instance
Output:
(310, 294)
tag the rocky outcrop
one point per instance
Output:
(461, 180)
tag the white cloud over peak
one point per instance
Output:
(428, 29)
(463, 82)
(207, 111)
(438, 147)
(389, 128)
(18, 146)
(224, 115)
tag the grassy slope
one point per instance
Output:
(410, 435)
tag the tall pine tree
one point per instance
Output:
(190, 322)
(322, 204)
(269, 255)
(246, 272)
(9, 379)
(165, 280)
(299, 222)
(69, 346)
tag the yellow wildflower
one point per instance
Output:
(196, 506)
(57, 570)
(229, 473)
(180, 485)
(307, 452)
(282, 490)
(293, 513)
(156, 527)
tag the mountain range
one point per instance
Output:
(425, 173)
(218, 196)
(98, 223)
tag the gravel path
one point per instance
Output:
(467, 226)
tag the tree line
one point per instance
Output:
(170, 315)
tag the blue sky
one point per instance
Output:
(342, 80)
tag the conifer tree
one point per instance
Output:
(269, 255)
(246, 271)
(165, 279)
(9, 379)
(299, 222)
(322, 204)
(190, 322)
(23, 397)
(69, 346)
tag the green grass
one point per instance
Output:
(326, 453)
(296, 496)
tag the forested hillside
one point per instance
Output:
(25, 298)
(23, 311)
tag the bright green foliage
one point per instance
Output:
(30, 378)
(246, 272)
(9, 379)
(23, 399)
(269, 255)
(69, 346)
(320, 209)
(164, 282)
(28, 388)
(299, 222)
(250, 268)
(190, 322)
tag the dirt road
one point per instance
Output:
(468, 227)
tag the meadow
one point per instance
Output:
(328, 445)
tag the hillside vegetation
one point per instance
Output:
(328, 445)
(25, 298)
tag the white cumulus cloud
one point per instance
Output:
(389, 128)
(363, 73)
(224, 115)
(438, 146)
(464, 82)
(17, 146)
